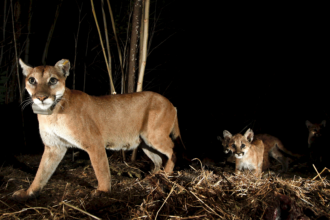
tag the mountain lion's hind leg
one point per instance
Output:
(51, 157)
(277, 155)
(156, 159)
(164, 145)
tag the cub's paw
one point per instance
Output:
(21, 196)
(97, 193)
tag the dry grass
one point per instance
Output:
(189, 194)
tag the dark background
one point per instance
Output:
(224, 66)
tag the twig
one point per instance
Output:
(74, 207)
(319, 175)
(25, 209)
(306, 202)
(165, 200)
(246, 127)
(64, 191)
(206, 205)
(200, 163)
(189, 217)
(325, 168)
(6, 204)
(133, 167)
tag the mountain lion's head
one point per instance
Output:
(46, 84)
(239, 144)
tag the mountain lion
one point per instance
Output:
(273, 147)
(314, 131)
(95, 124)
(248, 152)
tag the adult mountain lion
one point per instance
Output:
(95, 124)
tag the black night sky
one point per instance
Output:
(222, 65)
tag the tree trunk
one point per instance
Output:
(145, 45)
(50, 34)
(27, 48)
(118, 48)
(106, 35)
(17, 15)
(134, 45)
(143, 54)
(3, 30)
(112, 88)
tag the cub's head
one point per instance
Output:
(46, 84)
(315, 131)
(239, 144)
(224, 142)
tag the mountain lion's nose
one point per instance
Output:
(41, 97)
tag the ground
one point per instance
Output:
(205, 192)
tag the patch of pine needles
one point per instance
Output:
(188, 194)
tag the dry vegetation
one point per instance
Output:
(213, 193)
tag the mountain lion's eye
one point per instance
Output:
(242, 146)
(53, 81)
(32, 81)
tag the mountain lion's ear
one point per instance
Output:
(323, 123)
(26, 69)
(227, 134)
(249, 135)
(308, 124)
(219, 138)
(63, 66)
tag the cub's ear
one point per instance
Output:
(227, 134)
(26, 69)
(63, 66)
(249, 135)
(308, 124)
(323, 123)
(219, 138)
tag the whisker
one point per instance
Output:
(61, 106)
(26, 100)
(26, 104)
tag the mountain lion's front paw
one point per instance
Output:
(97, 194)
(20, 195)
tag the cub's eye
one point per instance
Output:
(234, 146)
(32, 81)
(242, 146)
(53, 81)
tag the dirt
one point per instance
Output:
(210, 192)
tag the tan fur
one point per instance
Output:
(314, 131)
(95, 124)
(248, 153)
(273, 147)
(224, 143)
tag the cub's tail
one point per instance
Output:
(287, 152)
